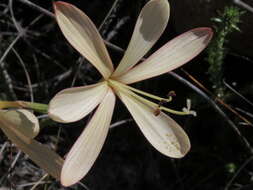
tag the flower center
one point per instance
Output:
(135, 93)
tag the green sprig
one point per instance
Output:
(225, 24)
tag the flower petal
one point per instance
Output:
(88, 146)
(161, 131)
(171, 56)
(83, 36)
(40, 154)
(73, 104)
(150, 25)
(23, 121)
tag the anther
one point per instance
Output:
(157, 111)
(171, 94)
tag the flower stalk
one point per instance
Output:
(38, 107)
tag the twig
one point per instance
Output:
(8, 49)
(16, 24)
(116, 28)
(6, 9)
(245, 112)
(238, 172)
(2, 150)
(217, 99)
(26, 74)
(46, 56)
(83, 185)
(55, 80)
(30, 184)
(15, 159)
(114, 47)
(8, 33)
(39, 182)
(82, 59)
(4, 71)
(216, 107)
(237, 93)
(8, 82)
(244, 5)
(40, 9)
(108, 14)
(42, 116)
(118, 123)
(10, 175)
(19, 28)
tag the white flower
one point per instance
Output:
(21, 126)
(73, 104)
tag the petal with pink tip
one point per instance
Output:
(161, 131)
(150, 25)
(73, 104)
(83, 36)
(88, 146)
(172, 55)
(44, 157)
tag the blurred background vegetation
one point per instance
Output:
(36, 62)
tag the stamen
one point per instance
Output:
(159, 107)
(144, 93)
(152, 104)
(127, 90)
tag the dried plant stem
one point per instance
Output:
(39, 182)
(217, 99)
(108, 14)
(245, 112)
(238, 172)
(9, 49)
(244, 5)
(40, 9)
(217, 108)
(26, 74)
(121, 122)
(237, 93)
(4, 71)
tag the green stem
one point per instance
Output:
(38, 107)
